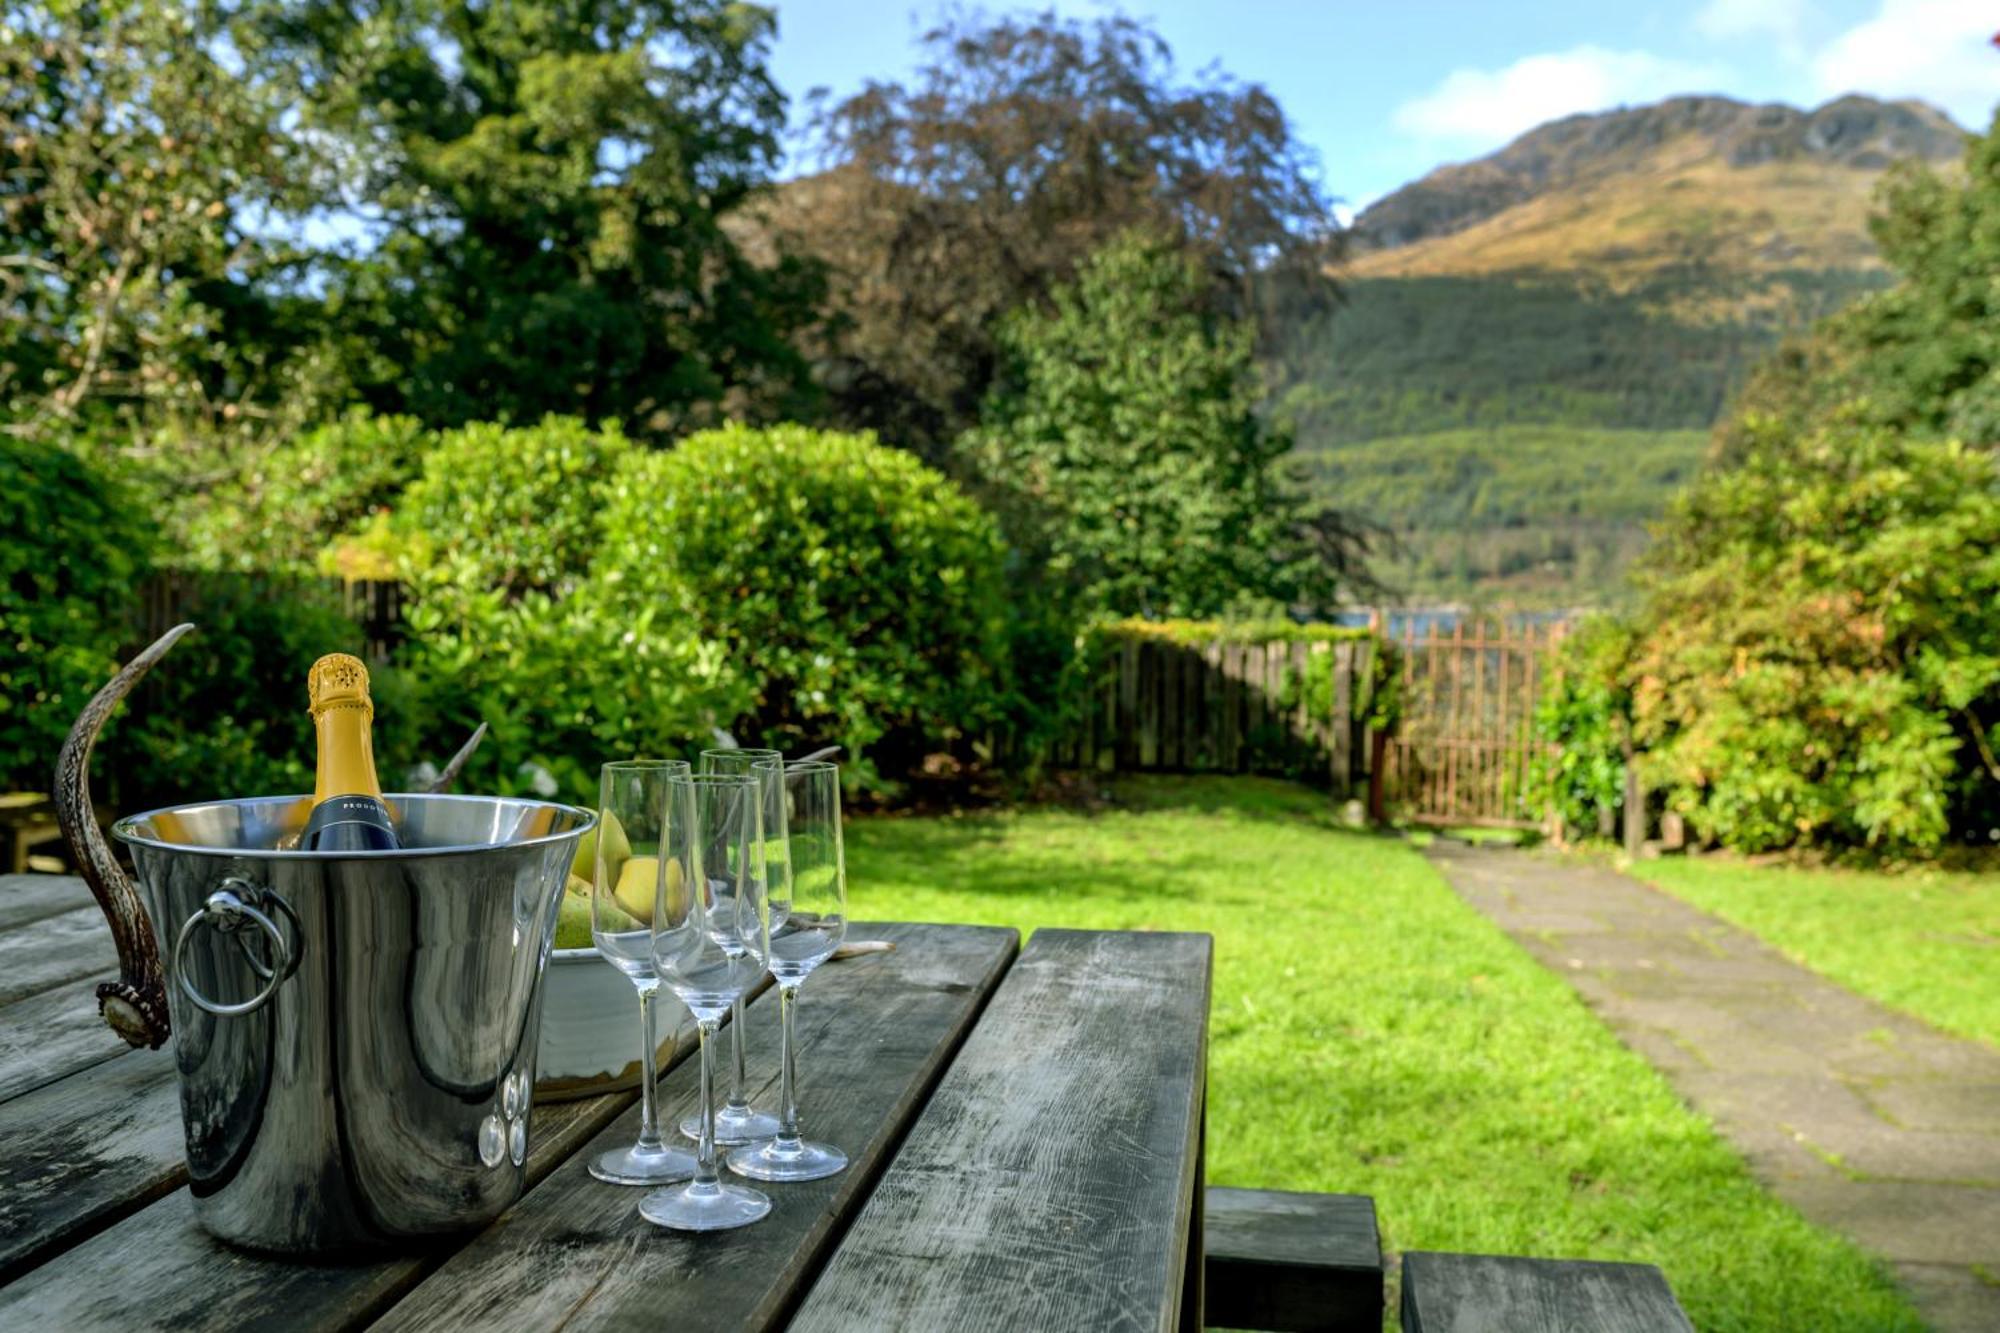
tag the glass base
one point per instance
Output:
(714, 1207)
(797, 1160)
(643, 1166)
(734, 1125)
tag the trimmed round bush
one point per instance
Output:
(280, 513)
(513, 509)
(858, 593)
(495, 544)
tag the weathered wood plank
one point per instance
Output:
(1051, 1181)
(1126, 735)
(25, 898)
(1149, 704)
(875, 1034)
(172, 1274)
(46, 953)
(1233, 709)
(1293, 1262)
(84, 1151)
(1488, 1293)
(1340, 723)
(53, 1035)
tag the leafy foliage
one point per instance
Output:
(859, 594)
(1820, 660)
(1925, 354)
(508, 511)
(74, 548)
(1201, 633)
(496, 542)
(1134, 473)
(1822, 656)
(132, 161)
(282, 512)
(1024, 145)
(223, 716)
(543, 185)
(1585, 712)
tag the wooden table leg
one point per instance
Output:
(1197, 1250)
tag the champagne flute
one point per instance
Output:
(708, 935)
(632, 798)
(806, 879)
(736, 1121)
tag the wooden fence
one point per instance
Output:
(1466, 747)
(1461, 754)
(168, 598)
(1295, 709)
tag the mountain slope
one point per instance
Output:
(1604, 281)
(1692, 180)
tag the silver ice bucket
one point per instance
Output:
(355, 1032)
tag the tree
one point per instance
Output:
(1131, 465)
(1819, 654)
(1022, 146)
(1923, 355)
(539, 186)
(133, 161)
(1820, 660)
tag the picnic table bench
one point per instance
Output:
(1024, 1126)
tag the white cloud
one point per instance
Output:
(1781, 20)
(1474, 109)
(1938, 50)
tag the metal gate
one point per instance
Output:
(1465, 750)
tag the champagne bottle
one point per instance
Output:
(348, 814)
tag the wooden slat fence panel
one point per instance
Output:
(172, 596)
(1225, 706)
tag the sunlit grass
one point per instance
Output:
(1373, 1034)
(1923, 941)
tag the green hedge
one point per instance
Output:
(76, 548)
(1819, 660)
(1200, 633)
(857, 593)
(224, 715)
(509, 624)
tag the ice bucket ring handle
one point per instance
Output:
(227, 910)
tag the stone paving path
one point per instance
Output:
(1866, 1121)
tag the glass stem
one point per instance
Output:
(706, 1177)
(649, 1115)
(737, 1076)
(788, 1099)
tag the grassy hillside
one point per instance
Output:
(1675, 206)
(1534, 515)
(1409, 355)
(1533, 342)
(1517, 431)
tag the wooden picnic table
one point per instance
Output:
(1024, 1126)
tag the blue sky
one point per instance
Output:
(1384, 91)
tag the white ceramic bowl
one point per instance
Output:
(590, 1027)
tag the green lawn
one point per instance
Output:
(1373, 1034)
(1925, 942)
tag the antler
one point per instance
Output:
(135, 1005)
(450, 774)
